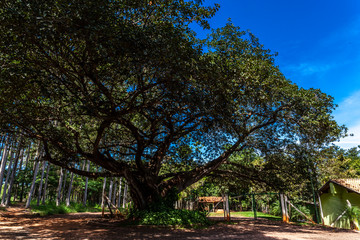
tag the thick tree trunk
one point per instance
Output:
(145, 190)
(147, 193)
(69, 190)
(143, 193)
(58, 197)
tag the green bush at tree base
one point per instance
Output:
(172, 217)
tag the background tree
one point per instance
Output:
(335, 163)
(127, 86)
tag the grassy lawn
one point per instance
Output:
(247, 214)
(51, 208)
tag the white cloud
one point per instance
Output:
(351, 141)
(348, 113)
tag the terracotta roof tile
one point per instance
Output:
(210, 199)
(351, 183)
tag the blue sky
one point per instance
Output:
(318, 43)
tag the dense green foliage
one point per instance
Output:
(334, 162)
(128, 86)
(175, 217)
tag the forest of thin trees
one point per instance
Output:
(27, 178)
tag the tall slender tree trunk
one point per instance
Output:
(46, 183)
(25, 171)
(119, 197)
(86, 183)
(2, 143)
(58, 197)
(103, 193)
(110, 188)
(63, 192)
(28, 156)
(125, 194)
(15, 166)
(69, 190)
(34, 178)
(4, 157)
(9, 171)
(113, 198)
(41, 183)
(20, 169)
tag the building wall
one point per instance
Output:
(334, 204)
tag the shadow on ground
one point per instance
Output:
(19, 224)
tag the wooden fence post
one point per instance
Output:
(283, 208)
(288, 208)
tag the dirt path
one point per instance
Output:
(17, 223)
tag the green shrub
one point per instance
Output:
(275, 209)
(171, 217)
(296, 216)
(245, 205)
(353, 215)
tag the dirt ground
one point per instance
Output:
(17, 223)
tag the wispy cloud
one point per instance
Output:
(348, 35)
(335, 50)
(348, 113)
(307, 69)
(352, 140)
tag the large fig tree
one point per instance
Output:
(127, 85)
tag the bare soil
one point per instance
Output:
(18, 223)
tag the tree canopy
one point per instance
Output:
(129, 86)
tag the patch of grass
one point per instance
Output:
(51, 208)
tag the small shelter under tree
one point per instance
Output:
(215, 201)
(336, 197)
